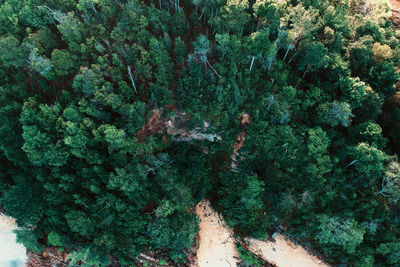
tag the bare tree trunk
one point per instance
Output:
(251, 65)
(131, 77)
(108, 45)
(290, 60)
(287, 52)
(213, 68)
(304, 74)
(94, 8)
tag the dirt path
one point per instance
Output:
(283, 253)
(11, 253)
(217, 245)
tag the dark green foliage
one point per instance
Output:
(248, 259)
(81, 170)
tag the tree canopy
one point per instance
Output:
(117, 117)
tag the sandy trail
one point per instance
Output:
(283, 253)
(217, 245)
(12, 254)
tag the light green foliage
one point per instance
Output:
(63, 62)
(369, 159)
(54, 239)
(88, 257)
(339, 113)
(39, 63)
(232, 17)
(201, 48)
(69, 26)
(336, 231)
(391, 182)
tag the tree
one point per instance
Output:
(392, 250)
(391, 182)
(232, 17)
(12, 53)
(201, 48)
(336, 231)
(63, 61)
(93, 94)
(382, 78)
(336, 113)
(180, 50)
(380, 53)
(268, 13)
(315, 57)
(370, 161)
(39, 63)
(301, 22)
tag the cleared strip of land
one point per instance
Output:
(217, 245)
(283, 253)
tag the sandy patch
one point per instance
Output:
(217, 245)
(283, 253)
(12, 254)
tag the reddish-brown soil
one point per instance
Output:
(395, 4)
(395, 13)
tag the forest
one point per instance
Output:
(118, 116)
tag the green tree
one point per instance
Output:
(336, 231)
(63, 61)
(12, 52)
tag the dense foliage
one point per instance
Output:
(80, 78)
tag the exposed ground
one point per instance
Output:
(395, 4)
(217, 244)
(395, 13)
(283, 253)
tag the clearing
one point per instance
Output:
(217, 245)
(283, 253)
